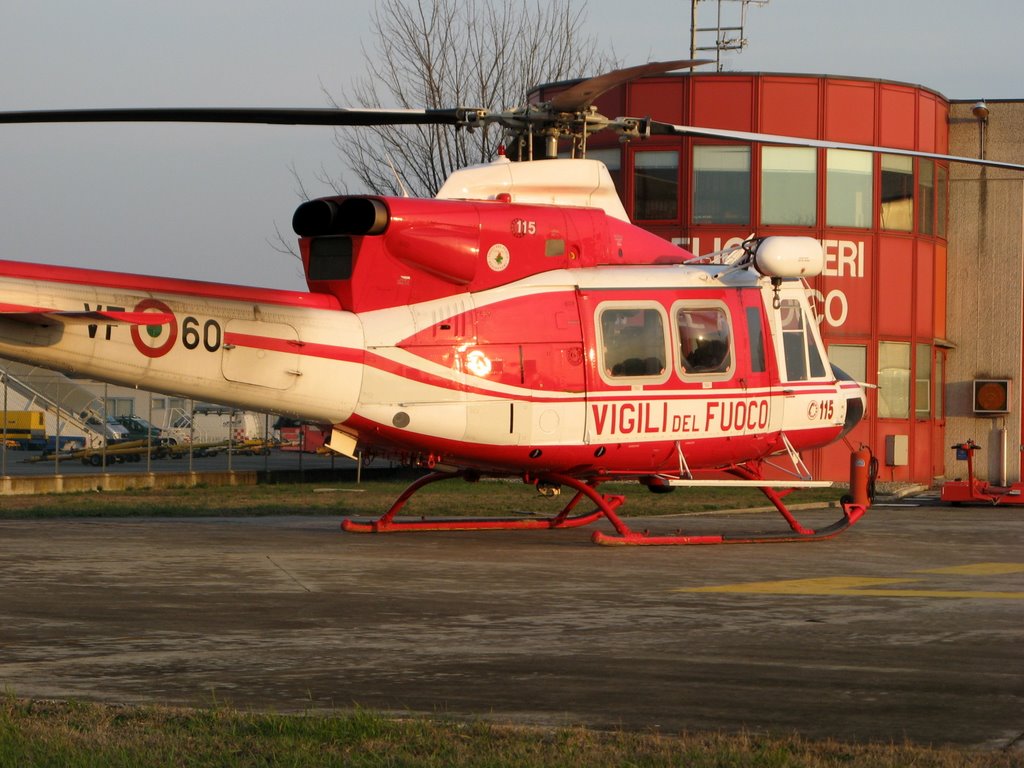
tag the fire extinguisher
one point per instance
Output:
(863, 473)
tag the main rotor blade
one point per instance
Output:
(667, 129)
(268, 116)
(578, 97)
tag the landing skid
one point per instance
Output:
(604, 506)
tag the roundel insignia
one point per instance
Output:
(155, 340)
(497, 257)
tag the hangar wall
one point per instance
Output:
(985, 292)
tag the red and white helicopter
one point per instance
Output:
(516, 325)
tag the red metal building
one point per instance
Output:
(880, 217)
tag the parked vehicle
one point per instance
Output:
(137, 428)
(26, 430)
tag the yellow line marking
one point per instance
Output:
(858, 586)
(980, 569)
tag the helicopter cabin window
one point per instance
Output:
(789, 183)
(803, 360)
(633, 343)
(705, 339)
(721, 184)
(848, 193)
(330, 258)
(896, 208)
(755, 330)
(656, 185)
(926, 197)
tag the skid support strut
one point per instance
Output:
(604, 505)
(797, 531)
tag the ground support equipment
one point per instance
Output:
(975, 491)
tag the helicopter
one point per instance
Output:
(516, 325)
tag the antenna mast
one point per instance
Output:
(728, 37)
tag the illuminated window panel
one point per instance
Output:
(789, 184)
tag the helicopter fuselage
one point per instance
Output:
(606, 370)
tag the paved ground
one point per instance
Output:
(910, 625)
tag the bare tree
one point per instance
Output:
(437, 54)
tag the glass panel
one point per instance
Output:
(633, 342)
(612, 158)
(803, 361)
(848, 194)
(925, 197)
(893, 380)
(851, 359)
(656, 185)
(789, 186)
(940, 364)
(704, 345)
(120, 406)
(758, 362)
(814, 358)
(923, 382)
(721, 185)
(941, 192)
(896, 208)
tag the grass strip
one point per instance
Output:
(72, 734)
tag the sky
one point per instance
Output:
(205, 202)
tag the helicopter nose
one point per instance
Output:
(856, 399)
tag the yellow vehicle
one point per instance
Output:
(25, 430)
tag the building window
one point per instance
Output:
(941, 197)
(940, 366)
(120, 406)
(848, 193)
(656, 185)
(896, 207)
(633, 343)
(721, 184)
(705, 340)
(923, 382)
(612, 159)
(851, 359)
(893, 380)
(926, 197)
(803, 360)
(789, 183)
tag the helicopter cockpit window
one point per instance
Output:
(705, 339)
(633, 342)
(330, 258)
(803, 360)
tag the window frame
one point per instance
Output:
(640, 380)
(677, 339)
(697, 194)
(636, 187)
(893, 378)
(834, 173)
(771, 178)
(810, 338)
